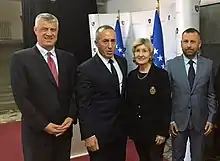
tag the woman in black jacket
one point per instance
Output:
(149, 103)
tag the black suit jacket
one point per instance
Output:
(217, 90)
(149, 104)
(35, 91)
(100, 105)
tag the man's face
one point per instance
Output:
(190, 44)
(46, 33)
(106, 43)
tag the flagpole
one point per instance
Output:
(118, 17)
(158, 6)
(159, 58)
(120, 50)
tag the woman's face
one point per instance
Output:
(142, 55)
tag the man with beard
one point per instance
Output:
(193, 97)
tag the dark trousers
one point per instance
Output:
(112, 151)
(217, 141)
(197, 142)
(46, 148)
(149, 151)
(212, 147)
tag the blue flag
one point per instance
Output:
(120, 50)
(159, 59)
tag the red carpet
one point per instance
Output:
(11, 149)
(10, 142)
(131, 154)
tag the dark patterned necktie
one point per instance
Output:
(52, 67)
(114, 73)
(191, 74)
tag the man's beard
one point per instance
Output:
(190, 54)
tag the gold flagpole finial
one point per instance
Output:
(118, 17)
(158, 6)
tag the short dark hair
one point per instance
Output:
(102, 28)
(191, 30)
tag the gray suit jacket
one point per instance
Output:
(199, 103)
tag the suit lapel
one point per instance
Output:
(150, 72)
(44, 66)
(150, 76)
(120, 63)
(123, 71)
(199, 71)
(102, 66)
(183, 70)
(61, 70)
(105, 71)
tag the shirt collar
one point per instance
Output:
(105, 60)
(44, 51)
(186, 60)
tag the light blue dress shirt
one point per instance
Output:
(186, 63)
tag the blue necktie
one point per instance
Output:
(191, 74)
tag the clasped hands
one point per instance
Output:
(58, 130)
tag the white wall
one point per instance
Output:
(11, 11)
(113, 6)
(205, 2)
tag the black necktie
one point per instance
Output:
(114, 73)
(191, 74)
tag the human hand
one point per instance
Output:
(173, 129)
(159, 139)
(92, 143)
(208, 128)
(53, 129)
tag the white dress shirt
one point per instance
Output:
(186, 63)
(44, 54)
(117, 68)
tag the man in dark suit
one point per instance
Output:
(43, 80)
(217, 119)
(193, 98)
(100, 96)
